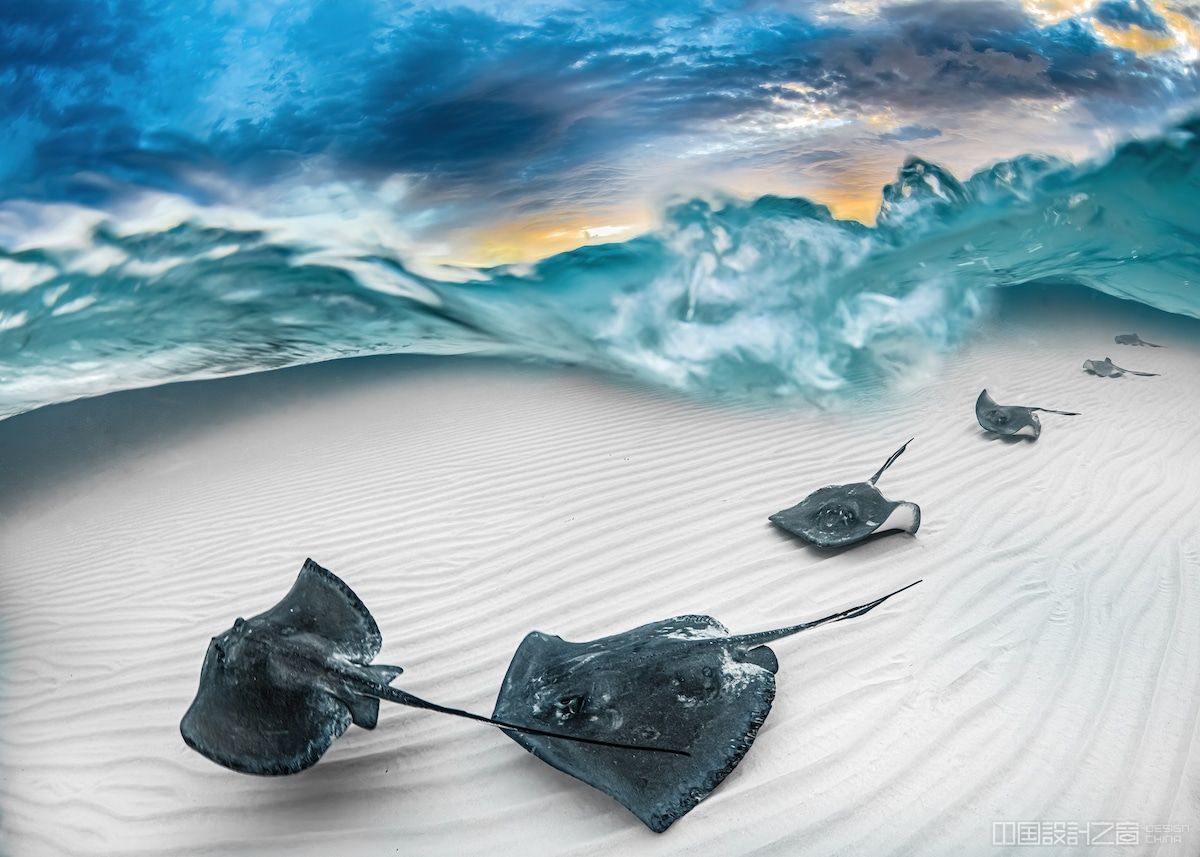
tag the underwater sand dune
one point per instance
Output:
(1048, 668)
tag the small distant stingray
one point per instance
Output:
(1015, 420)
(278, 688)
(840, 515)
(1107, 369)
(685, 680)
(1132, 339)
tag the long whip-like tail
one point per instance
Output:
(392, 694)
(1135, 372)
(889, 462)
(769, 636)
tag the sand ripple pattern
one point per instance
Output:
(1047, 669)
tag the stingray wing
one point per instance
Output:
(677, 682)
(320, 603)
(243, 722)
(983, 403)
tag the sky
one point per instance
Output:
(508, 131)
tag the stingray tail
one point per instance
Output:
(770, 636)
(1132, 372)
(1052, 411)
(890, 461)
(393, 694)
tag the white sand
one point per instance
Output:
(1048, 669)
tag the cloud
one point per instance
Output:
(506, 111)
(1124, 14)
(911, 132)
(464, 97)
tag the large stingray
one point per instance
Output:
(1107, 369)
(1015, 420)
(1132, 339)
(840, 515)
(278, 688)
(685, 681)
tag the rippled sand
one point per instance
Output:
(1048, 669)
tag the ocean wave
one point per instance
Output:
(726, 297)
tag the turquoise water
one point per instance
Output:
(772, 297)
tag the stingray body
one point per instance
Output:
(684, 681)
(840, 515)
(1011, 420)
(277, 689)
(1107, 369)
(1132, 339)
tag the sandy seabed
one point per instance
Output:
(1046, 671)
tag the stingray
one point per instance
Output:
(278, 688)
(1014, 420)
(1132, 339)
(1107, 369)
(685, 681)
(840, 515)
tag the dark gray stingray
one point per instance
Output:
(1014, 420)
(1107, 369)
(278, 688)
(685, 681)
(840, 515)
(1132, 339)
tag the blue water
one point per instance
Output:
(772, 297)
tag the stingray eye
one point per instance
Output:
(569, 706)
(238, 623)
(836, 516)
(999, 417)
(219, 653)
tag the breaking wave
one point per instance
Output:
(726, 297)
